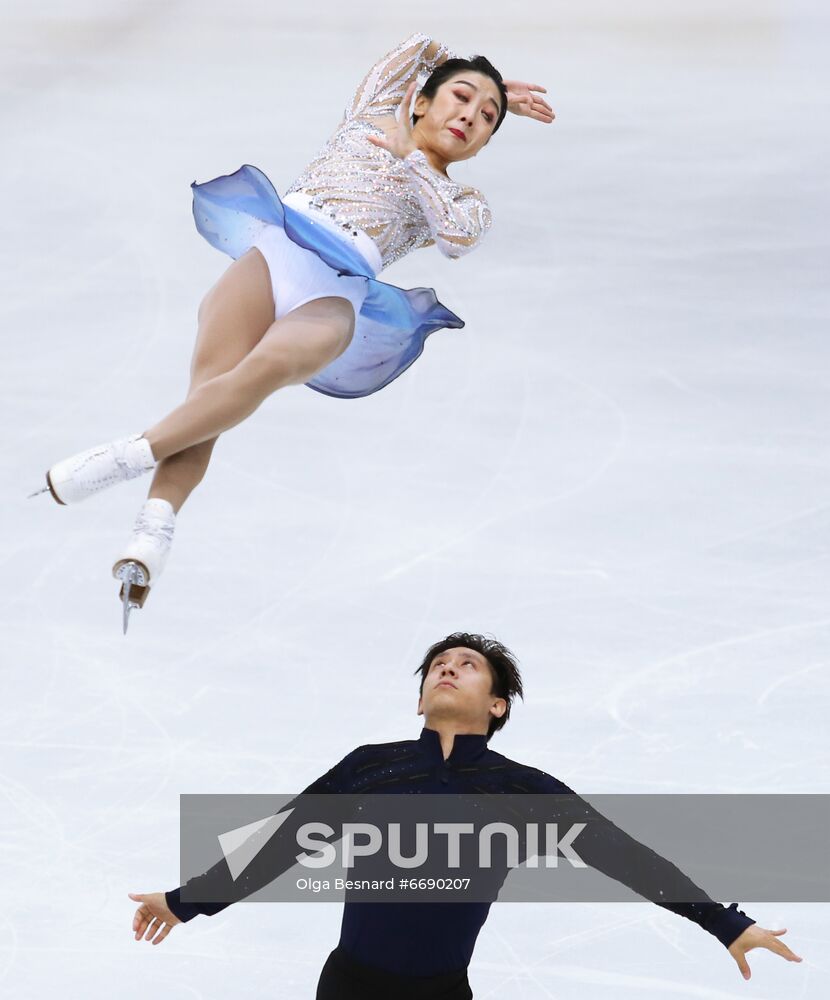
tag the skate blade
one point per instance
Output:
(48, 488)
(134, 579)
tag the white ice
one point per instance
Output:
(619, 468)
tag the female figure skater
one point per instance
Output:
(301, 303)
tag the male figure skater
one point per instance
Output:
(414, 951)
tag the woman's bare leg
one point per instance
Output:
(233, 318)
(292, 350)
(178, 476)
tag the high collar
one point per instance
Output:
(465, 747)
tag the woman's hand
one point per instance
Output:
(399, 142)
(522, 101)
(759, 937)
(153, 916)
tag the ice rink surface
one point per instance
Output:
(620, 468)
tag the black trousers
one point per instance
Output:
(343, 978)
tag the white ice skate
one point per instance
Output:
(145, 554)
(88, 472)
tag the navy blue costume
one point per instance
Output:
(437, 939)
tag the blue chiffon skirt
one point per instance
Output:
(393, 324)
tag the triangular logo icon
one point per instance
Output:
(241, 846)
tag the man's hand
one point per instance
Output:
(153, 916)
(522, 101)
(759, 937)
(399, 142)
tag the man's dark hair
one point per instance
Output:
(507, 681)
(478, 64)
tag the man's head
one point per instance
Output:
(468, 679)
(465, 96)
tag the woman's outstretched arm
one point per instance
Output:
(381, 90)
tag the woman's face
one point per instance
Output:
(460, 118)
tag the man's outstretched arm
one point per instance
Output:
(159, 912)
(607, 848)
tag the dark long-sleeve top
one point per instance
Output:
(429, 938)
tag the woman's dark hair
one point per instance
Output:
(507, 681)
(478, 64)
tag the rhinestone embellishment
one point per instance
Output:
(400, 204)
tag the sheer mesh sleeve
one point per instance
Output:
(384, 86)
(457, 216)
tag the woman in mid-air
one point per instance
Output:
(301, 302)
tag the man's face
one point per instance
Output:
(458, 687)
